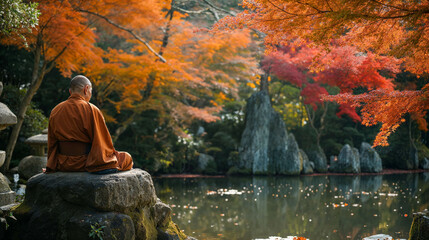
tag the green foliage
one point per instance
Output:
(337, 132)
(223, 137)
(16, 15)
(96, 231)
(15, 66)
(237, 171)
(286, 100)
(397, 154)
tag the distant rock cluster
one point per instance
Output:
(351, 160)
(266, 147)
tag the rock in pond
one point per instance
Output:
(307, 166)
(76, 205)
(370, 161)
(253, 150)
(347, 162)
(266, 148)
(420, 226)
(318, 157)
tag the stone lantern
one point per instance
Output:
(7, 118)
(39, 143)
(34, 164)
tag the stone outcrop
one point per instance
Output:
(266, 147)
(370, 161)
(253, 151)
(31, 165)
(292, 164)
(347, 161)
(74, 205)
(420, 226)
(318, 157)
(307, 166)
(278, 151)
(424, 164)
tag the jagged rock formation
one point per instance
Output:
(318, 157)
(291, 164)
(307, 166)
(370, 161)
(71, 205)
(266, 147)
(347, 162)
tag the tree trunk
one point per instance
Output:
(36, 80)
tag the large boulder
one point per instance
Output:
(253, 150)
(318, 157)
(266, 147)
(370, 161)
(31, 165)
(277, 144)
(292, 164)
(307, 166)
(76, 205)
(347, 161)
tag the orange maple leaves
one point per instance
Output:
(387, 107)
(386, 27)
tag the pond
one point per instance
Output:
(315, 207)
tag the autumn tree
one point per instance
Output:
(65, 39)
(395, 28)
(202, 73)
(315, 70)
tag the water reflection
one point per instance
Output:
(316, 207)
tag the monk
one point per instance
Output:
(78, 139)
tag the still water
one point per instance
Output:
(315, 207)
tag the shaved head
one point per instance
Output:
(78, 83)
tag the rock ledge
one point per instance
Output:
(71, 205)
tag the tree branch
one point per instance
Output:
(127, 30)
(191, 12)
(218, 8)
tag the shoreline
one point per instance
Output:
(383, 172)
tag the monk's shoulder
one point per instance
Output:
(94, 108)
(57, 108)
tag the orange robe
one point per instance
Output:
(78, 120)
